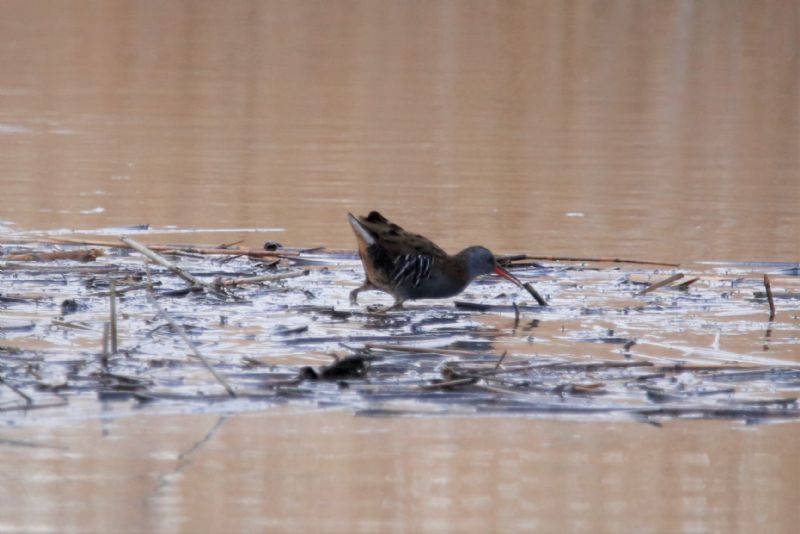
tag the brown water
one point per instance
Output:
(331, 472)
(661, 130)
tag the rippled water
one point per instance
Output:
(660, 131)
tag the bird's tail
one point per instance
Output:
(361, 231)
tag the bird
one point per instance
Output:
(409, 266)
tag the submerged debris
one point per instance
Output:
(349, 367)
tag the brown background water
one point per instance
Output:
(671, 126)
(661, 130)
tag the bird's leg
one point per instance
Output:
(398, 305)
(354, 293)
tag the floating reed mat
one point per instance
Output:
(130, 321)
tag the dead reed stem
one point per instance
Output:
(259, 279)
(112, 293)
(32, 406)
(106, 329)
(535, 294)
(15, 389)
(254, 253)
(687, 283)
(182, 333)
(770, 300)
(169, 265)
(599, 260)
(418, 350)
(148, 275)
(500, 361)
(662, 283)
(75, 255)
(123, 290)
(449, 384)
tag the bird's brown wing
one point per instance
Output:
(393, 257)
(396, 241)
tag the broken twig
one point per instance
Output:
(662, 283)
(770, 300)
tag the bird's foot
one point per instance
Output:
(354, 296)
(382, 310)
(398, 305)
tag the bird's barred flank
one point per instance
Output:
(411, 269)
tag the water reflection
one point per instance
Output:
(289, 471)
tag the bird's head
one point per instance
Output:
(480, 260)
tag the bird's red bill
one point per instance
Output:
(507, 275)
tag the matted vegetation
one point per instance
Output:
(122, 321)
